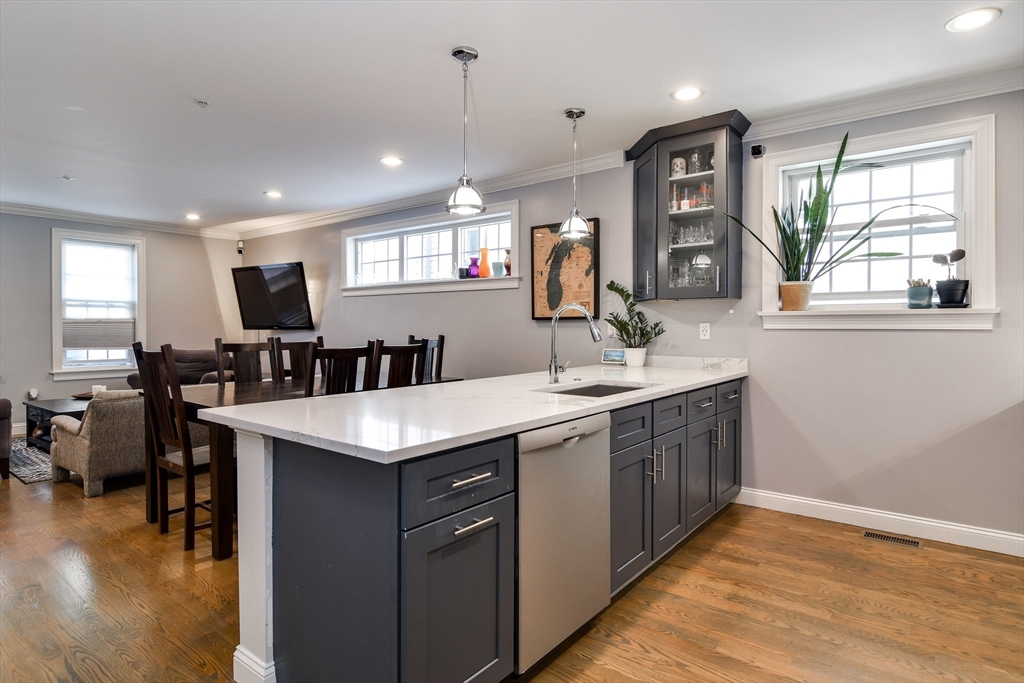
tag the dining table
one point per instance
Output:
(222, 445)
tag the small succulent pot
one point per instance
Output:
(796, 295)
(952, 291)
(919, 297)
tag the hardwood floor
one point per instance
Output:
(90, 592)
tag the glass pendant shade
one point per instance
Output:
(574, 226)
(465, 200)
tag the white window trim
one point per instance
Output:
(60, 373)
(979, 193)
(348, 256)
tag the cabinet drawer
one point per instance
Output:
(630, 426)
(444, 484)
(33, 414)
(669, 414)
(728, 395)
(700, 404)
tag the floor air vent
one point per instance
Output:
(898, 540)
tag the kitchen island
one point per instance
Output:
(334, 476)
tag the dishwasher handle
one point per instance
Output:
(564, 433)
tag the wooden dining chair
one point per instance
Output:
(298, 357)
(169, 428)
(435, 355)
(246, 361)
(340, 368)
(406, 363)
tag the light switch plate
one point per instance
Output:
(705, 330)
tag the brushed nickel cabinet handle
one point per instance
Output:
(662, 470)
(477, 523)
(722, 438)
(654, 472)
(731, 396)
(718, 272)
(648, 282)
(473, 479)
(706, 404)
(664, 463)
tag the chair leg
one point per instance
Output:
(59, 473)
(93, 487)
(162, 503)
(190, 512)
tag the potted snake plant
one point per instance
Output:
(804, 229)
(633, 329)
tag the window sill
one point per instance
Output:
(65, 375)
(468, 285)
(882, 319)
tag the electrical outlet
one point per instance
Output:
(610, 333)
(705, 330)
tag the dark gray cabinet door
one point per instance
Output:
(631, 489)
(645, 225)
(701, 445)
(458, 593)
(727, 473)
(669, 519)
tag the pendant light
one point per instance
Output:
(575, 225)
(465, 200)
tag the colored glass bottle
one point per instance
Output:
(508, 263)
(474, 267)
(485, 267)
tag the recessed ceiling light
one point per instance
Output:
(73, 108)
(392, 161)
(273, 194)
(192, 216)
(976, 18)
(688, 93)
(67, 178)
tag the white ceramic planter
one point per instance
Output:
(635, 357)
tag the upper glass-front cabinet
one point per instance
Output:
(684, 182)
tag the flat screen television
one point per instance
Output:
(273, 297)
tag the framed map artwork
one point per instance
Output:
(563, 271)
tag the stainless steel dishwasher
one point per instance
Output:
(564, 532)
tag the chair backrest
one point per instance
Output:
(164, 402)
(406, 363)
(298, 357)
(435, 355)
(245, 360)
(116, 419)
(340, 368)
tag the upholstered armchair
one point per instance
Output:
(108, 440)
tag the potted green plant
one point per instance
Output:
(802, 233)
(633, 328)
(919, 293)
(952, 291)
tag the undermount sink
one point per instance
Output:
(595, 389)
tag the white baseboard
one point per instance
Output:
(250, 669)
(18, 429)
(893, 522)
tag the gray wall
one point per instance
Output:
(916, 422)
(187, 278)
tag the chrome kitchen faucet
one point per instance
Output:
(554, 369)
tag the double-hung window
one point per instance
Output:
(426, 254)
(889, 185)
(948, 171)
(98, 288)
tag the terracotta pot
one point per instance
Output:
(635, 357)
(795, 295)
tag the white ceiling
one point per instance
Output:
(306, 96)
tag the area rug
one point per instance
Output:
(28, 463)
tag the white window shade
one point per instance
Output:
(98, 302)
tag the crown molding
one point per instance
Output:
(592, 165)
(893, 102)
(111, 221)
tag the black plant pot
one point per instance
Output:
(952, 291)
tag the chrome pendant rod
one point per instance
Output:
(465, 118)
(574, 164)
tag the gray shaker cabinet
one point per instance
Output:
(631, 509)
(728, 459)
(701, 450)
(458, 596)
(669, 496)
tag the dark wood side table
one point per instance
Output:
(39, 412)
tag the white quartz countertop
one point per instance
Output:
(397, 424)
